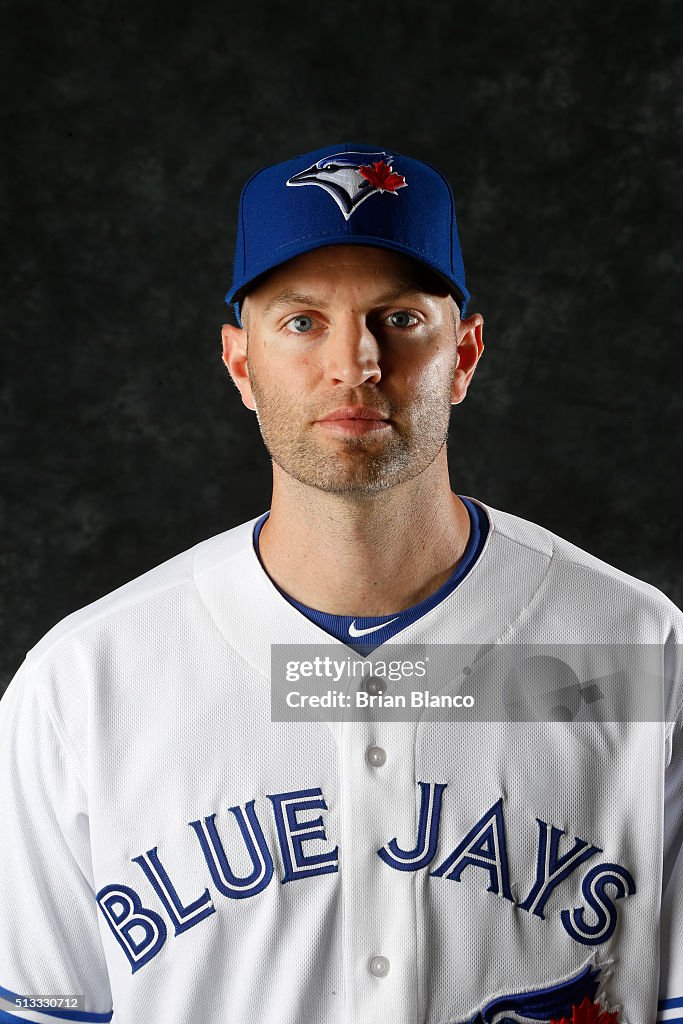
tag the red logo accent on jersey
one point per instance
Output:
(383, 176)
(589, 1013)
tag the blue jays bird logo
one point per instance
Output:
(572, 1001)
(350, 178)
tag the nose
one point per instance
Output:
(352, 353)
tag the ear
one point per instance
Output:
(235, 359)
(470, 347)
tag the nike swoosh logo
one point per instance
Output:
(354, 631)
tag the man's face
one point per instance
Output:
(337, 334)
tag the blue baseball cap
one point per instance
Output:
(347, 195)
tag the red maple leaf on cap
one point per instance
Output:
(382, 176)
(589, 1013)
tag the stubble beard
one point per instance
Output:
(358, 466)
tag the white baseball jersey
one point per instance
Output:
(172, 854)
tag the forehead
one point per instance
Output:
(357, 264)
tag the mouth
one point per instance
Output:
(354, 421)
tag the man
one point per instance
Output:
(179, 848)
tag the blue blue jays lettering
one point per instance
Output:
(480, 858)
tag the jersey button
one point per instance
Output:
(379, 966)
(374, 685)
(376, 756)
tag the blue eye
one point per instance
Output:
(402, 319)
(301, 324)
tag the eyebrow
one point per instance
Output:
(289, 297)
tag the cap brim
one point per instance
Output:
(237, 293)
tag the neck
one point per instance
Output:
(373, 556)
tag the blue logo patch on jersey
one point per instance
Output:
(350, 178)
(553, 1003)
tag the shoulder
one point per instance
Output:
(143, 636)
(578, 598)
(168, 584)
(579, 582)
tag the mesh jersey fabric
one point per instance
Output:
(173, 854)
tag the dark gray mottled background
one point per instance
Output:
(127, 136)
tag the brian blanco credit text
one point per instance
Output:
(361, 699)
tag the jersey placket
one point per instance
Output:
(377, 769)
